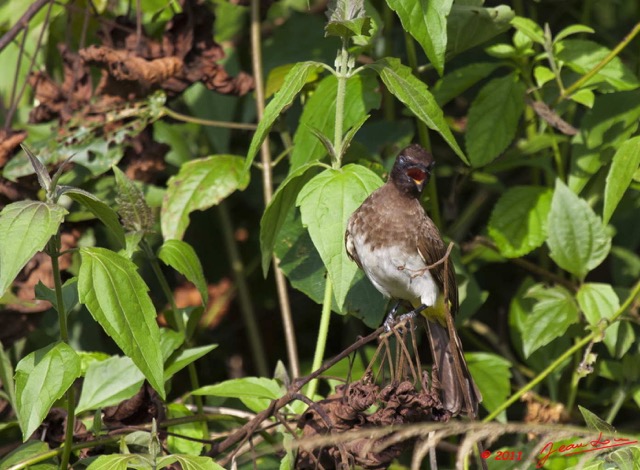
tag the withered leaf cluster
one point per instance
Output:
(362, 405)
(133, 66)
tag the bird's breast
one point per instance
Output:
(396, 270)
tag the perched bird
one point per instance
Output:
(393, 241)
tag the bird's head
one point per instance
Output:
(412, 169)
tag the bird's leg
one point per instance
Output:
(391, 319)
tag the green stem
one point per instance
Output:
(557, 155)
(619, 397)
(342, 74)
(267, 187)
(164, 285)
(575, 381)
(54, 252)
(323, 333)
(388, 100)
(423, 136)
(208, 122)
(179, 322)
(567, 354)
(244, 297)
(600, 65)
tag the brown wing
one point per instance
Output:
(432, 249)
(349, 245)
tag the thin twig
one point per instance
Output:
(22, 22)
(600, 65)
(16, 99)
(267, 182)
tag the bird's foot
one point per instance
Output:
(392, 320)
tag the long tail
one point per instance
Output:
(453, 388)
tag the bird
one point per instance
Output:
(393, 240)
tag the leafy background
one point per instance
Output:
(530, 108)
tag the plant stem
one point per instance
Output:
(635, 291)
(207, 122)
(179, 322)
(423, 136)
(267, 182)
(54, 253)
(619, 397)
(342, 74)
(600, 65)
(164, 285)
(575, 380)
(246, 307)
(323, 333)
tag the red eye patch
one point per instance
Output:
(416, 174)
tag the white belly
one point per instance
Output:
(398, 274)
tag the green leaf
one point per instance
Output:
(69, 294)
(24, 452)
(102, 211)
(25, 228)
(276, 78)
(170, 341)
(199, 185)
(302, 265)
(612, 121)
(109, 382)
(582, 55)
(189, 462)
(182, 359)
(624, 164)
(529, 28)
(577, 238)
(543, 75)
(573, 29)
(584, 96)
(347, 18)
(326, 203)
(595, 423)
(255, 392)
(43, 377)
(597, 301)
(193, 430)
(493, 118)
(320, 111)
(277, 210)
(116, 296)
(469, 24)
(41, 171)
(132, 205)
(460, 80)
(183, 258)
(502, 51)
(415, 95)
(426, 21)
(554, 312)
(351, 133)
(491, 374)
(246, 387)
(6, 376)
(116, 462)
(293, 83)
(518, 223)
